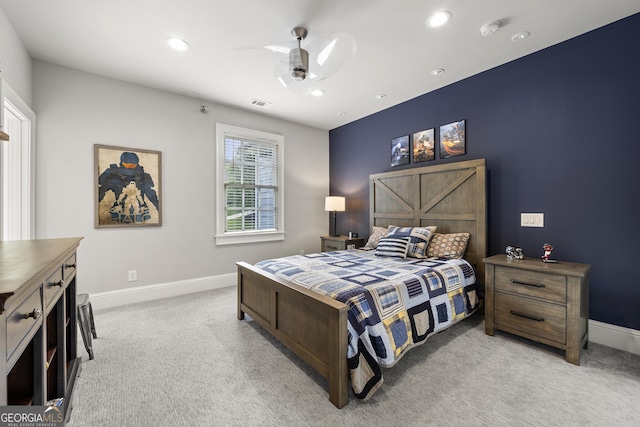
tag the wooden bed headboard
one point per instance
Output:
(451, 196)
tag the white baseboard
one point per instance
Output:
(163, 290)
(617, 337)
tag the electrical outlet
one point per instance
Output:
(133, 275)
(532, 220)
(301, 251)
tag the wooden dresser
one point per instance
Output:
(38, 310)
(544, 302)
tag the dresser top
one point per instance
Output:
(23, 262)
(536, 264)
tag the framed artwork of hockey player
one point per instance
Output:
(127, 187)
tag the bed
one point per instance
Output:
(319, 328)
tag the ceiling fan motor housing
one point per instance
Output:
(298, 63)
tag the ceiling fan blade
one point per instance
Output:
(282, 47)
(329, 52)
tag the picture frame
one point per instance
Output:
(128, 184)
(400, 151)
(424, 145)
(453, 139)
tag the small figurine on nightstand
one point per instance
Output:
(514, 252)
(547, 253)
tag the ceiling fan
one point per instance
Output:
(320, 59)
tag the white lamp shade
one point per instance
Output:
(334, 203)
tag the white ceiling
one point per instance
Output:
(125, 39)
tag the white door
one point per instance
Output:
(17, 177)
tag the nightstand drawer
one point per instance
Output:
(332, 245)
(549, 287)
(531, 317)
(340, 243)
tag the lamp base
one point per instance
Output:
(333, 232)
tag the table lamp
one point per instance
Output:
(334, 204)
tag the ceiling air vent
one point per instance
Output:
(262, 104)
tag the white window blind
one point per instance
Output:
(249, 186)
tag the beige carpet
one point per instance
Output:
(188, 361)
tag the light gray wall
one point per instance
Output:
(15, 62)
(76, 110)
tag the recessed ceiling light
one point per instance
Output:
(520, 36)
(178, 44)
(381, 96)
(489, 29)
(437, 72)
(317, 92)
(438, 19)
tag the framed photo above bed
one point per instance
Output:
(400, 151)
(127, 187)
(453, 139)
(424, 146)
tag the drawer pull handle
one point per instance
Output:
(35, 314)
(535, 285)
(60, 283)
(74, 265)
(537, 319)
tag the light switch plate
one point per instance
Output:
(532, 220)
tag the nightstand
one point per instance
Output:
(544, 302)
(339, 243)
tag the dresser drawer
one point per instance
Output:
(69, 268)
(531, 283)
(531, 317)
(18, 326)
(52, 287)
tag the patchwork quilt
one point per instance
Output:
(394, 303)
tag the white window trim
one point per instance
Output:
(22, 225)
(221, 237)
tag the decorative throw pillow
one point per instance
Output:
(419, 238)
(451, 245)
(393, 247)
(377, 233)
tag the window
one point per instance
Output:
(250, 202)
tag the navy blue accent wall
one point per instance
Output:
(560, 130)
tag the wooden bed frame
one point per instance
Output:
(451, 196)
